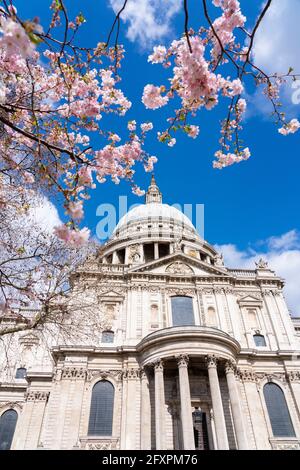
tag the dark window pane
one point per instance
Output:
(107, 337)
(8, 423)
(21, 373)
(259, 340)
(101, 413)
(182, 311)
(278, 411)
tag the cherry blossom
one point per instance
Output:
(290, 128)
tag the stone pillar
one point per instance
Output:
(145, 412)
(185, 404)
(221, 432)
(156, 250)
(236, 409)
(159, 405)
(115, 258)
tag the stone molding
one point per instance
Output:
(285, 444)
(11, 405)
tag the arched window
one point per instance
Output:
(279, 415)
(8, 423)
(259, 340)
(102, 407)
(211, 317)
(21, 373)
(182, 311)
(107, 337)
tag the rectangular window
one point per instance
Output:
(182, 311)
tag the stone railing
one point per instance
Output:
(242, 272)
(98, 443)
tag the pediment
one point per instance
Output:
(180, 264)
(110, 295)
(249, 300)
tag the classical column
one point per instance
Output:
(159, 405)
(217, 404)
(145, 412)
(156, 250)
(236, 409)
(185, 403)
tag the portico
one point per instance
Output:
(193, 354)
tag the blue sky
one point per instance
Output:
(246, 205)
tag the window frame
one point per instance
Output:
(102, 436)
(25, 373)
(289, 409)
(112, 336)
(2, 413)
(193, 310)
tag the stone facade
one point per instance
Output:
(176, 386)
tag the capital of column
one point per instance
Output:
(230, 367)
(158, 365)
(182, 360)
(211, 361)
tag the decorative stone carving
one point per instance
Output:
(73, 373)
(11, 405)
(178, 291)
(179, 268)
(182, 360)
(247, 375)
(293, 376)
(230, 366)
(261, 264)
(99, 444)
(211, 361)
(36, 395)
(177, 245)
(219, 260)
(134, 253)
(104, 374)
(130, 374)
(158, 365)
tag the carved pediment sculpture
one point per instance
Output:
(179, 268)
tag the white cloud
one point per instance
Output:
(44, 214)
(276, 45)
(283, 255)
(149, 20)
(275, 50)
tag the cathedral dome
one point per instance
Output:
(154, 211)
(154, 217)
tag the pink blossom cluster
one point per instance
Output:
(72, 237)
(152, 97)
(224, 160)
(224, 25)
(290, 128)
(14, 39)
(64, 100)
